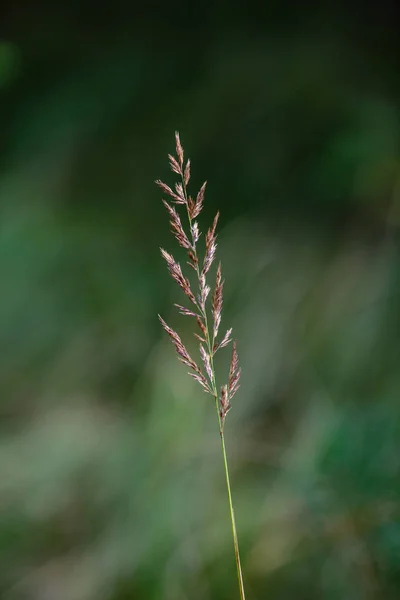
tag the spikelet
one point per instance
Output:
(205, 357)
(179, 149)
(183, 354)
(198, 205)
(176, 227)
(178, 199)
(224, 342)
(207, 337)
(234, 373)
(186, 174)
(217, 302)
(176, 273)
(224, 404)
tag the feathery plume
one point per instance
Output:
(205, 373)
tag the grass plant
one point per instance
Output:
(206, 314)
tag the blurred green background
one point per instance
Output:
(111, 482)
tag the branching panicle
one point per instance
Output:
(206, 375)
(208, 338)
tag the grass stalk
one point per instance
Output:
(210, 344)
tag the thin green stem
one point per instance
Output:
(210, 345)
(233, 522)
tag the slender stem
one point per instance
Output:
(210, 345)
(234, 532)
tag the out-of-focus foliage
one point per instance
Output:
(111, 478)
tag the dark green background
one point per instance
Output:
(111, 480)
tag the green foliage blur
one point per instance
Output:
(112, 484)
